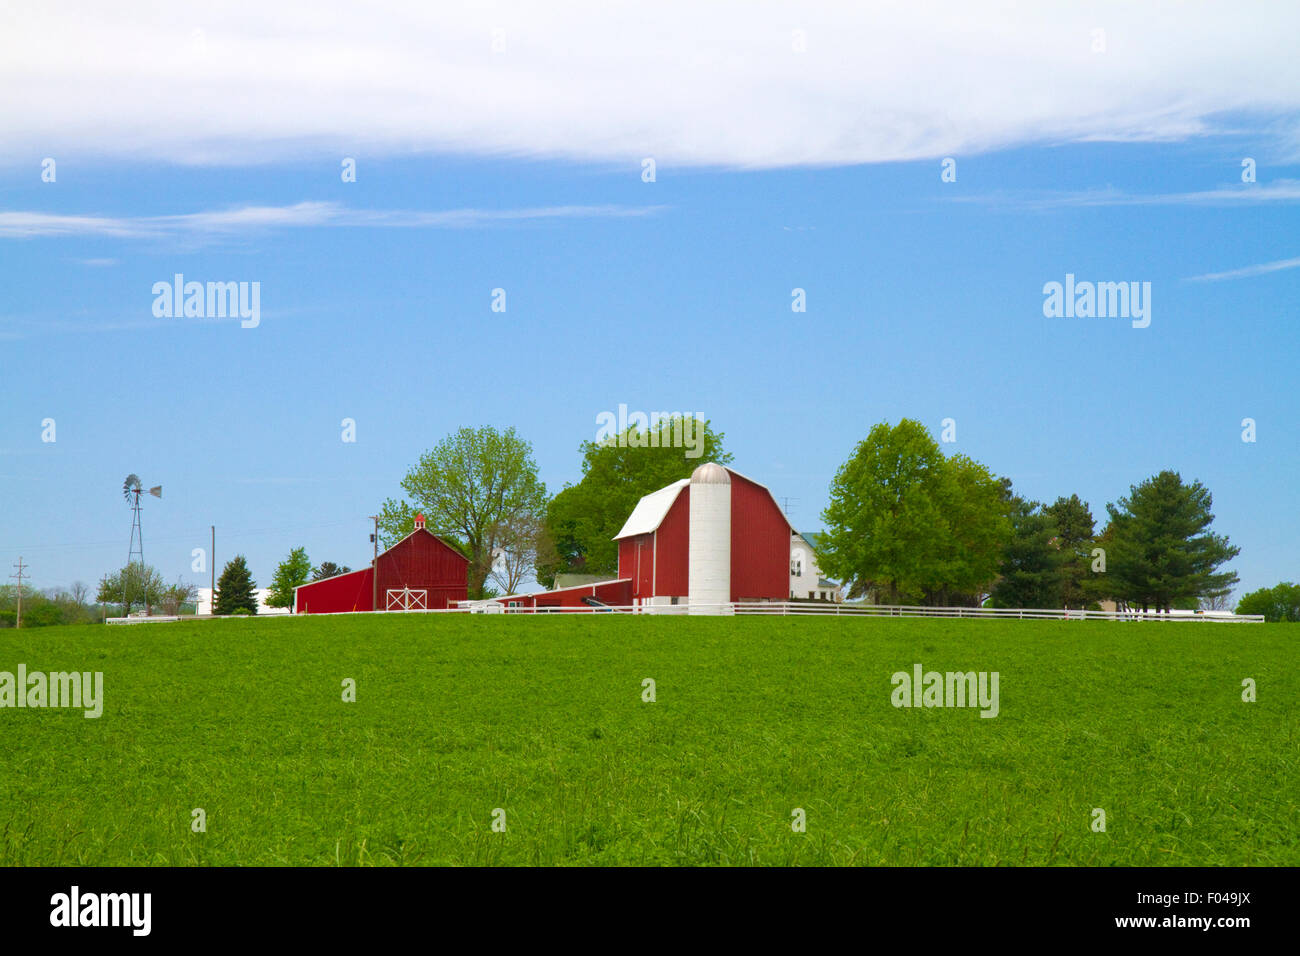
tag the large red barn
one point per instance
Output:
(731, 543)
(420, 572)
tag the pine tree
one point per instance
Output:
(1161, 550)
(1032, 566)
(235, 588)
(1075, 530)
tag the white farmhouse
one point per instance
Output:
(806, 581)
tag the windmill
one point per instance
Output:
(131, 491)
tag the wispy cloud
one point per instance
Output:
(729, 83)
(27, 225)
(1280, 191)
(1247, 271)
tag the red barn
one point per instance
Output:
(707, 540)
(420, 572)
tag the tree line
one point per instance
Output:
(908, 525)
(905, 524)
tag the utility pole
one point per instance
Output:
(21, 568)
(212, 566)
(374, 567)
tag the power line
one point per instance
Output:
(83, 546)
(21, 567)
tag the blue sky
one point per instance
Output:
(924, 300)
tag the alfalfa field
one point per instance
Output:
(611, 739)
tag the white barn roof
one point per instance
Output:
(650, 510)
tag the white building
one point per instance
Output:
(204, 602)
(806, 581)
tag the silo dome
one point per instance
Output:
(710, 473)
(709, 545)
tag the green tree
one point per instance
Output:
(912, 525)
(1162, 552)
(328, 569)
(617, 472)
(176, 596)
(1075, 535)
(1032, 567)
(291, 572)
(468, 487)
(978, 527)
(1278, 603)
(135, 585)
(235, 589)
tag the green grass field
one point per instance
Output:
(754, 717)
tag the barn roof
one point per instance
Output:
(651, 510)
(437, 537)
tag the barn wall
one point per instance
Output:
(421, 561)
(636, 562)
(760, 543)
(346, 592)
(673, 568)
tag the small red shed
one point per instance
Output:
(420, 572)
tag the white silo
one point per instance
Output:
(709, 553)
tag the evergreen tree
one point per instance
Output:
(1033, 561)
(328, 569)
(235, 588)
(1161, 549)
(1075, 532)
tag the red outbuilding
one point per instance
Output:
(421, 572)
(591, 597)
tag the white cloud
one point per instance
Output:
(1248, 271)
(684, 81)
(1279, 191)
(26, 225)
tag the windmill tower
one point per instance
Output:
(131, 491)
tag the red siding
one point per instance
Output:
(760, 544)
(421, 561)
(636, 561)
(346, 592)
(626, 557)
(614, 593)
(672, 569)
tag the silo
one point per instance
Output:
(709, 554)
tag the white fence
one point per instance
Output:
(814, 609)
(795, 609)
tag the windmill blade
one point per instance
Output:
(132, 484)
(156, 491)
